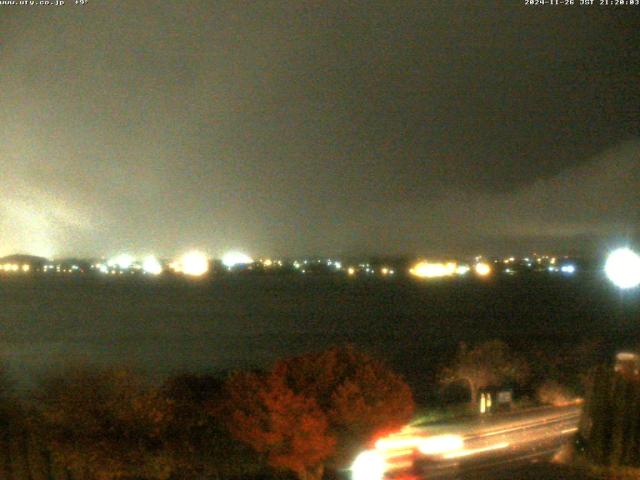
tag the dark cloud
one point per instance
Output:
(290, 127)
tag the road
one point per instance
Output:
(493, 446)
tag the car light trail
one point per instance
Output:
(430, 451)
(475, 451)
(440, 444)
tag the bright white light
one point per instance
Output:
(194, 264)
(568, 269)
(623, 268)
(232, 259)
(123, 261)
(369, 465)
(440, 444)
(151, 265)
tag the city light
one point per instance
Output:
(462, 269)
(568, 269)
(483, 269)
(194, 264)
(369, 465)
(232, 259)
(151, 265)
(123, 261)
(623, 268)
(433, 270)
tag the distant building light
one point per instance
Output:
(151, 265)
(232, 259)
(433, 270)
(123, 261)
(463, 269)
(483, 269)
(194, 264)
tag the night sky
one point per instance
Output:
(342, 128)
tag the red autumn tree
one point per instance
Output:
(360, 395)
(289, 429)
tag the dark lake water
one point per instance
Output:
(168, 325)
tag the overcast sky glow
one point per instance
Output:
(304, 127)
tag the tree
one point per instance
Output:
(296, 413)
(104, 424)
(359, 394)
(197, 441)
(489, 363)
(610, 422)
(289, 429)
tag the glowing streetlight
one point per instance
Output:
(623, 268)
